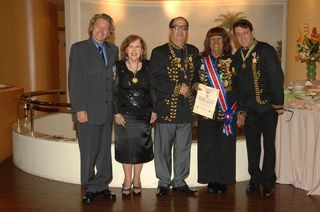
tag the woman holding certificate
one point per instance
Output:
(217, 136)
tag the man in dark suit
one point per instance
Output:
(172, 68)
(260, 102)
(90, 88)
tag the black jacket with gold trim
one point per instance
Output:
(228, 77)
(170, 66)
(260, 79)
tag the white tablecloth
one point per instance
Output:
(298, 150)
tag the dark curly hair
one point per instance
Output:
(243, 23)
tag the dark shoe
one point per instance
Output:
(212, 187)
(107, 194)
(251, 187)
(268, 192)
(88, 197)
(222, 189)
(126, 191)
(185, 189)
(161, 191)
(137, 189)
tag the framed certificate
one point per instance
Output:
(206, 101)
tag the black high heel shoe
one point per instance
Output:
(137, 189)
(126, 191)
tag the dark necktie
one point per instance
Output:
(101, 53)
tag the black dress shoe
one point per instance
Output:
(161, 191)
(268, 192)
(88, 197)
(251, 187)
(185, 189)
(107, 194)
(212, 187)
(222, 189)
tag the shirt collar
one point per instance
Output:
(98, 44)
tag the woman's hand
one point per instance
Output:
(153, 117)
(118, 118)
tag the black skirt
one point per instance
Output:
(133, 143)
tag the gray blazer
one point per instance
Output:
(91, 81)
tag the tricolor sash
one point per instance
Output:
(215, 82)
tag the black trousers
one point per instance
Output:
(256, 124)
(216, 152)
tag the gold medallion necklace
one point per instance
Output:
(248, 54)
(135, 71)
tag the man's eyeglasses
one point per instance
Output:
(182, 27)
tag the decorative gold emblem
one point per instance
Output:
(244, 57)
(135, 80)
(254, 59)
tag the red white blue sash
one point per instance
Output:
(215, 82)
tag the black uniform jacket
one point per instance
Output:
(260, 79)
(170, 67)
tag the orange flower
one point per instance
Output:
(308, 47)
(314, 33)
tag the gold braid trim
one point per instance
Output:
(277, 106)
(176, 91)
(256, 78)
(175, 66)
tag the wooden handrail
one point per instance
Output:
(31, 104)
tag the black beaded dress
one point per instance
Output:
(133, 143)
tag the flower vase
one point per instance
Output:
(311, 71)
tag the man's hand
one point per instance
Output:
(82, 116)
(118, 118)
(185, 91)
(195, 86)
(240, 120)
(280, 111)
(153, 117)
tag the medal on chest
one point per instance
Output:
(245, 57)
(135, 80)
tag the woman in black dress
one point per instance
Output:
(133, 112)
(217, 136)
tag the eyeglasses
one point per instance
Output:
(182, 27)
